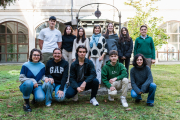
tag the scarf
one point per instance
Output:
(95, 39)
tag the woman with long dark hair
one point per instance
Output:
(142, 80)
(67, 44)
(32, 72)
(98, 49)
(80, 40)
(125, 47)
(57, 74)
(111, 40)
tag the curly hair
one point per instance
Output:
(135, 59)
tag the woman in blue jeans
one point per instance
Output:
(57, 73)
(31, 74)
(142, 80)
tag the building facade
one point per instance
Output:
(21, 23)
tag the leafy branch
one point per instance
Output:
(143, 16)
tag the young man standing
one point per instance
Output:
(49, 39)
(114, 77)
(83, 76)
(145, 45)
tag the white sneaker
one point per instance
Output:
(110, 98)
(75, 98)
(48, 105)
(123, 101)
(94, 101)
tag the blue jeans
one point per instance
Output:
(49, 88)
(151, 90)
(93, 85)
(27, 88)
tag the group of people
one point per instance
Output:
(78, 61)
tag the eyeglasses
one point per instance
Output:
(36, 55)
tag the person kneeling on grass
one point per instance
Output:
(142, 80)
(83, 76)
(31, 74)
(57, 73)
(114, 77)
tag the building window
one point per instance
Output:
(14, 43)
(59, 26)
(170, 52)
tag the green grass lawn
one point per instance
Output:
(165, 76)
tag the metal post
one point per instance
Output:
(77, 21)
(119, 23)
(71, 10)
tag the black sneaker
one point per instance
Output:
(137, 101)
(27, 108)
(150, 104)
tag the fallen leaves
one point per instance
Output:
(87, 102)
(10, 115)
(9, 106)
(128, 109)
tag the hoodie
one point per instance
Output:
(57, 71)
(112, 42)
(108, 72)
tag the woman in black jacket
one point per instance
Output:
(125, 47)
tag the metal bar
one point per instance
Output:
(17, 43)
(71, 9)
(6, 41)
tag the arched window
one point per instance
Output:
(170, 52)
(59, 26)
(14, 43)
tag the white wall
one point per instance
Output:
(31, 13)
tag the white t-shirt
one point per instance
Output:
(50, 38)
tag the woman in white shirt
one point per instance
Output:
(80, 40)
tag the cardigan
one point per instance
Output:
(97, 51)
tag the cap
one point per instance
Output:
(52, 18)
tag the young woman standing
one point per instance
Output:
(111, 40)
(125, 48)
(67, 44)
(80, 40)
(98, 49)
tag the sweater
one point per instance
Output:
(75, 46)
(67, 42)
(108, 72)
(32, 71)
(125, 49)
(89, 72)
(112, 42)
(145, 47)
(97, 51)
(141, 78)
(57, 71)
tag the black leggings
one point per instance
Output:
(127, 61)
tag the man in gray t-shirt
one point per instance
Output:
(49, 39)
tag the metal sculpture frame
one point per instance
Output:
(119, 13)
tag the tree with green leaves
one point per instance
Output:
(143, 16)
(4, 3)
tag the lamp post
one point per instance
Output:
(98, 13)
